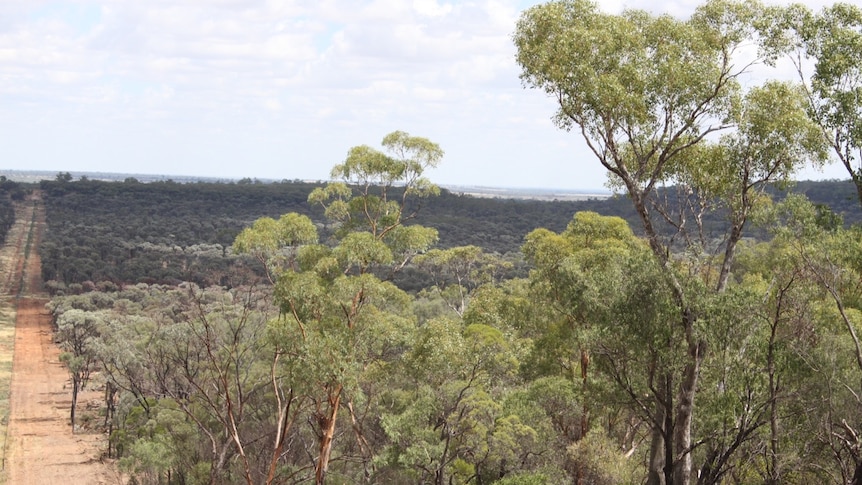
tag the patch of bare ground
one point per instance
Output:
(39, 446)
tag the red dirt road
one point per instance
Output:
(40, 447)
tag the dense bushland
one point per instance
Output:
(10, 192)
(167, 232)
(320, 369)
(669, 347)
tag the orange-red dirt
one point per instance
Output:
(40, 446)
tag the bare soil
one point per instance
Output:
(40, 446)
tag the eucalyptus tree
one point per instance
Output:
(446, 423)
(192, 370)
(375, 193)
(648, 95)
(832, 41)
(773, 139)
(77, 332)
(221, 359)
(273, 243)
(608, 306)
(459, 270)
(340, 322)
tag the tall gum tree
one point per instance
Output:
(649, 94)
(341, 321)
(581, 273)
(826, 48)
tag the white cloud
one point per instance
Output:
(431, 8)
(275, 88)
(424, 93)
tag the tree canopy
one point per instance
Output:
(661, 347)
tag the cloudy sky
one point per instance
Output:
(279, 89)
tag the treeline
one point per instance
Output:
(165, 232)
(10, 192)
(155, 232)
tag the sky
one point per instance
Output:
(281, 89)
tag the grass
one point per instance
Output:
(7, 346)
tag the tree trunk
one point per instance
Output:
(677, 421)
(110, 410)
(218, 466)
(585, 364)
(284, 423)
(682, 430)
(857, 475)
(75, 385)
(668, 433)
(773, 464)
(328, 431)
(656, 457)
(362, 443)
(729, 251)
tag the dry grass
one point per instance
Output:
(7, 346)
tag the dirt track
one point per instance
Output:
(40, 447)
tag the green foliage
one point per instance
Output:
(108, 231)
(648, 73)
(361, 250)
(9, 192)
(457, 271)
(158, 442)
(269, 235)
(833, 40)
(525, 479)
(599, 459)
(738, 360)
(91, 239)
(646, 92)
(495, 394)
(378, 207)
(408, 241)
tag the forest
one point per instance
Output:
(166, 232)
(701, 326)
